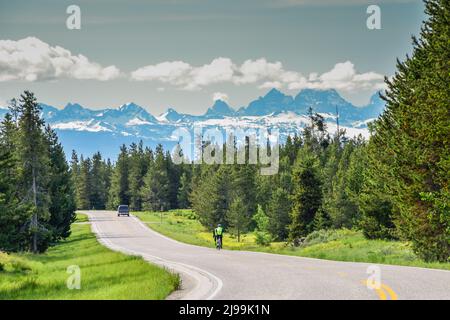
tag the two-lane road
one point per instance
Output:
(210, 274)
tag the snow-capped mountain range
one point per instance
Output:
(88, 131)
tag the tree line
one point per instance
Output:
(37, 199)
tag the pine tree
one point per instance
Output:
(411, 139)
(75, 174)
(322, 220)
(34, 158)
(244, 185)
(278, 212)
(184, 191)
(84, 184)
(120, 186)
(155, 191)
(107, 177)
(173, 173)
(61, 190)
(98, 192)
(36, 191)
(289, 150)
(138, 170)
(329, 171)
(307, 194)
(14, 214)
(9, 132)
(343, 211)
(262, 234)
(237, 217)
(264, 189)
(211, 198)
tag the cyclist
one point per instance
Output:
(217, 235)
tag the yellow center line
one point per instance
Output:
(390, 291)
(381, 294)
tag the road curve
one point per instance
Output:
(210, 274)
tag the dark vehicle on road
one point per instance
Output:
(123, 210)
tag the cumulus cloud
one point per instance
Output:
(271, 84)
(342, 76)
(31, 59)
(184, 75)
(220, 96)
(252, 71)
(168, 72)
(219, 70)
(264, 73)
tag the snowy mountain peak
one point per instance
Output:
(220, 109)
(73, 107)
(329, 95)
(130, 107)
(275, 94)
(171, 115)
(274, 101)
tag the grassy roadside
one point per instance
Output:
(81, 218)
(340, 245)
(104, 274)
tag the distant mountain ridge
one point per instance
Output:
(87, 130)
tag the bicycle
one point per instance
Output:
(219, 243)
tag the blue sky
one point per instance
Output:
(181, 54)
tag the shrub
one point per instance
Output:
(323, 236)
(263, 238)
(12, 264)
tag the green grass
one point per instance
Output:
(104, 274)
(340, 245)
(81, 217)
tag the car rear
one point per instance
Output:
(123, 210)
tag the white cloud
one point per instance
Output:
(265, 74)
(368, 76)
(220, 96)
(270, 85)
(167, 72)
(184, 75)
(31, 59)
(219, 70)
(341, 72)
(342, 76)
(252, 71)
